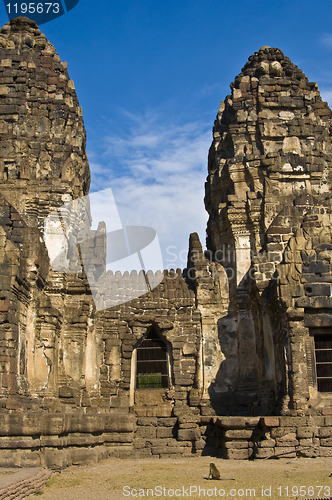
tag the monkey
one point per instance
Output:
(214, 473)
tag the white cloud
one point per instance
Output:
(327, 96)
(157, 173)
(327, 40)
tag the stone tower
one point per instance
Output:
(43, 165)
(43, 162)
(268, 198)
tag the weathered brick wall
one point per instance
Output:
(56, 441)
(238, 438)
(170, 307)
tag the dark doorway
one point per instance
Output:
(152, 363)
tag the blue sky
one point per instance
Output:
(150, 75)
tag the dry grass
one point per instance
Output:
(141, 477)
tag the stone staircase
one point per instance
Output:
(22, 483)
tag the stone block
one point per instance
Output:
(75, 439)
(57, 459)
(287, 441)
(8, 109)
(326, 441)
(166, 432)
(146, 432)
(184, 381)
(51, 424)
(139, 443)
(242, 454)
(159, 450)
(188, 444)
(122, 451)
(266, 443)
(142, 453)
(189, 435)
(306, 432)
(167, 422)
(325, 432)
(189, 419)
(188, 426)
(318, 320)
(205, 420)
(163, 410)
(238, 422)
(309, 452)
(175, 450)
(126, 437)
(200, 444)
(119, 423)
(236, 445)
(264, 452)
(20, 458)
(207, 412)
(285, 452)
(238, 434)
(148, 421)
(171, 455)
(325, 451)
(293, 422)
(270, 422)
(13, 442)
(282, 431)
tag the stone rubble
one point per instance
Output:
(19, 485)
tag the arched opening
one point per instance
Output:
(152, 362)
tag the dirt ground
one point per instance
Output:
(115, 479)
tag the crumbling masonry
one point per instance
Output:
(241, 340)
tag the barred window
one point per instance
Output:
(152, 363)
(323, 358)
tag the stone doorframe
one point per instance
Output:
(133, 365)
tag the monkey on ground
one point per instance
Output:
(214, 473)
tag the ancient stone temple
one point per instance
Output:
(231, 356)
(268, 197)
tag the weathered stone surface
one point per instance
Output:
(146, 432)
(147, 421)
(238, 422)
(236, 445)
(267, 205)
(189, 435)
(306, 432)
(237, 454)
(240, 325)
(285, 452)
(166, 432)
(264, 452)
(238, 434)
(270, 421)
